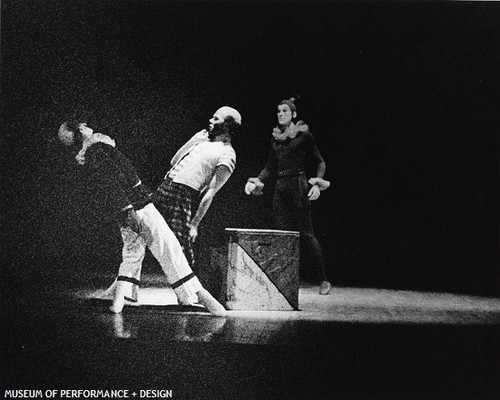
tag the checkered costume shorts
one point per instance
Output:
(177, 204)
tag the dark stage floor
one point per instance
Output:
(353, 344)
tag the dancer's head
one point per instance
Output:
(72, 133)
(225, 123)
(287, 112)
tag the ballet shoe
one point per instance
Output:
(118, 299)
(117, 305)
(325, 287)
(210, 303)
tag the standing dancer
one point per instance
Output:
(292, 146)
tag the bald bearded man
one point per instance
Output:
(198, 171)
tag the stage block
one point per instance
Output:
(262, 270)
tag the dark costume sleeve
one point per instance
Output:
(314, 154)
(269, 171)
(111, 176)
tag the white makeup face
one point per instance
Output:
(217, 119)
(85, 131)
(285, 115)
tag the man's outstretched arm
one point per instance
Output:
(222, 174)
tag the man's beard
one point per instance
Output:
(217, 130)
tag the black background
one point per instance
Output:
(401, 97)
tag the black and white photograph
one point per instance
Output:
(250, 199)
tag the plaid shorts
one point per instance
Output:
(177, 203)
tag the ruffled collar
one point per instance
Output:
(291, 132)
(95, 138)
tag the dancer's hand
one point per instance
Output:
(314, 193)
(249, 188)
(193, 233)
(321, 183)
(254, 186)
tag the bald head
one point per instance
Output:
(226, 111)
(224, 124)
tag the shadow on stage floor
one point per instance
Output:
(353, 344)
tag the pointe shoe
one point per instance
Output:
(119, 298)
(210, 303)
(325, 287)
(117, 305)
